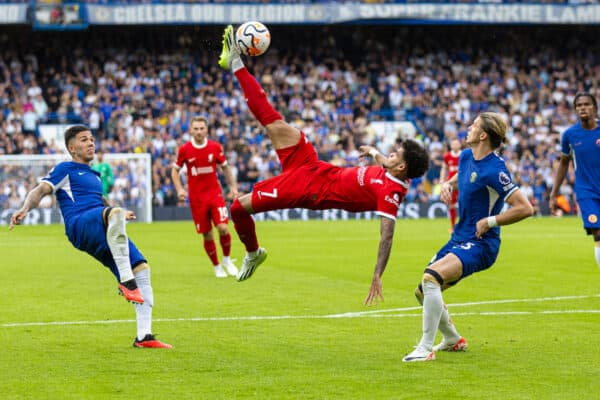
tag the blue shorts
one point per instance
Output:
(475, 255)
(590, 213)
(88, 233)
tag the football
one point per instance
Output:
(253, 38)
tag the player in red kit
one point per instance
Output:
(449, 169)
(306, 182)
(201, 157)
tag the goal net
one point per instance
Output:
(19, 174)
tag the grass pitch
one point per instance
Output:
(297, 329)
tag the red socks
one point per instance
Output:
(225, 241)
(244, 226)
(256, 98)
(211, 250)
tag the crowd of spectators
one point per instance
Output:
(138, 91)
(132, 2)
(125, 2)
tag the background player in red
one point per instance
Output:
(307, 182)
(201, 157)
(449, 169)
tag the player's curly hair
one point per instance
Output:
(416, 157)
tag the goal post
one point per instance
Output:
(20, 173)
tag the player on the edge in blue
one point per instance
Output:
(95, 228)
(581, 143)
(483, 184)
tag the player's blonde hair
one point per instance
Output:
(494, 125)
(199, 118)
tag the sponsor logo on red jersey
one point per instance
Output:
(395, 200)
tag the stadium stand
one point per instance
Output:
(138, 92)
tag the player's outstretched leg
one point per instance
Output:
(253, 92)
(433, 306)
(118, 243)
(229, 51)
(251, 262)
(451, 339)
(143, 312)
(246, 230)
(444, 345)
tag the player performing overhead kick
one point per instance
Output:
(307, 182)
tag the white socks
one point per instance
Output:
(236, 64)
(118, 243)
(143, 312)
(447, 328)
(597, 252)
(433, 307)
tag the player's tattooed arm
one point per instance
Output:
(385, 244)
(383, 255)
(32, 200)
(370, 151)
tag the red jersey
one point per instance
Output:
(201, 162)
(307, 182)
(451, 162)
(360, 189)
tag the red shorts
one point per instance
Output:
(291, 188)
(213, 211)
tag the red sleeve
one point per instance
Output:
(220, 154)
(387, 206)
(447, 158)
(180, 157)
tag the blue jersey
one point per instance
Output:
(483, 185)
(584, 146)
(78, 188)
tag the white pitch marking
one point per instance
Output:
(360, 314)
(473, 303)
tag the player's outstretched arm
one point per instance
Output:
(32, 200)
(385, 246)
(370, 151)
